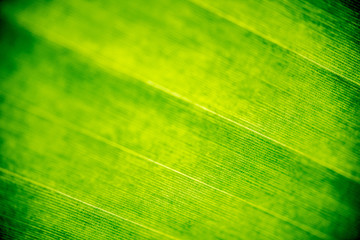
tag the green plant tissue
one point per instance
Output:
(179, 119)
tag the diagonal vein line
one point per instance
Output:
(99, 138)
(82, 202)
(214, 113)
(114, 71)
(324, 164)
(238, 23)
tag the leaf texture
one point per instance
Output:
(174, 119)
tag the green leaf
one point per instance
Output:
(174, 119)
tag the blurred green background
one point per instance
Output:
(179, 119)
